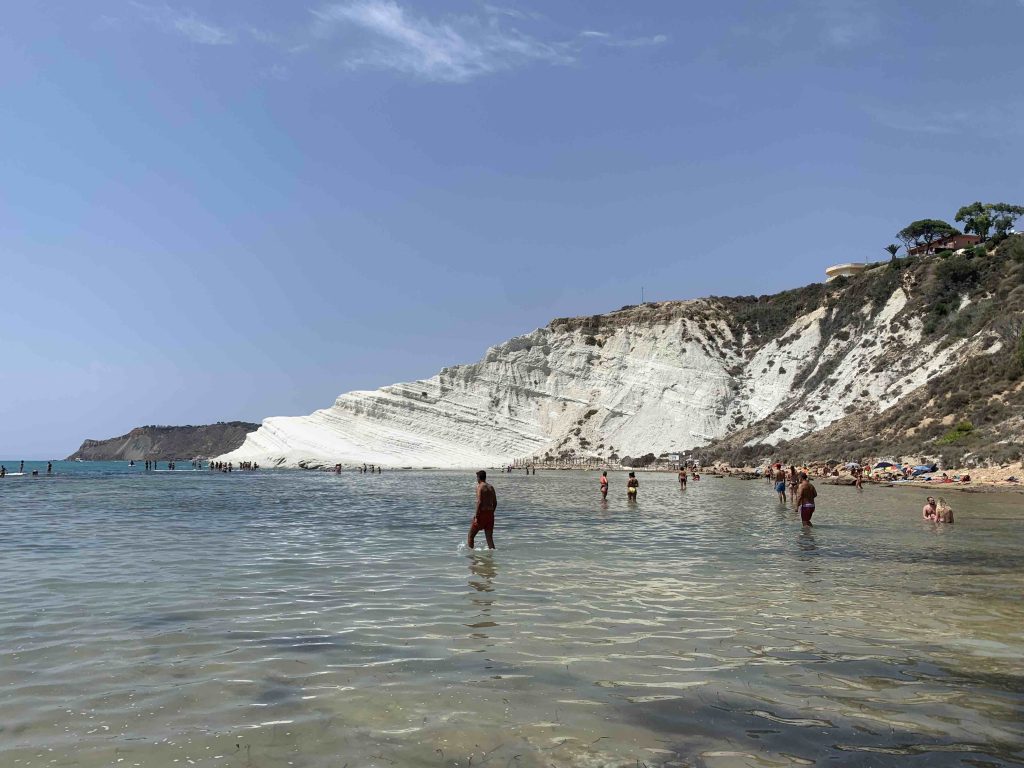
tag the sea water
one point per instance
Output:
(291, 618)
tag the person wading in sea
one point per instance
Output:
(632, 486)
(486, 503)
(682, 478)
(604, 485)
(805, 495)
(780, 483)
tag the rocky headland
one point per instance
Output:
(167, 443)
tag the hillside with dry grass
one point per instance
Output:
(971, 409)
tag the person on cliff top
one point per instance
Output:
(682, 478)
(483, 519)
(805, 495)
(604, 484)
(780, 483)
(632, 486)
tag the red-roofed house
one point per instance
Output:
(951, 243)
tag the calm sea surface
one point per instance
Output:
(306, 619)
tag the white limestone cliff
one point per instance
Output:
(657, 378)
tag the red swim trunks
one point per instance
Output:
(484, 521)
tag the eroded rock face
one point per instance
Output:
(657, 378)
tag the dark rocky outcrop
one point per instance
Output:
(166, 443)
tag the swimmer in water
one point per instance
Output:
(604, 485)
(483, 519)
(943, 512)
(632, 485)
(805, 495)
(928, 512)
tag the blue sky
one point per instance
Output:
(231, 209)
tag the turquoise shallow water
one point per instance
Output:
(307, 619)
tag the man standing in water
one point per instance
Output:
(780, 482)
(604, 484)
(805, 495)
(486, 503)
(682, 478)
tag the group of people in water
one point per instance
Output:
(802, 492)
(21, 469)
(937, 512)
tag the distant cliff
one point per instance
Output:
(165, 443)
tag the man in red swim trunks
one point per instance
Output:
(486, 503)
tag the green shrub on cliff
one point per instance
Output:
(957, 433)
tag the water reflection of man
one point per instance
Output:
(483, 570)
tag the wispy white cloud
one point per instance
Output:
(626, 42)
(818, 24)
(187, 24)
(382, 34)
(992, 121)
(518, 13)
(847, 23)
(203, 32)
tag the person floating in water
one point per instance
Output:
(483, 519)
(604, 485)
(632, 486)
(805, 495)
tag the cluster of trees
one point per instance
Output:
(977, 218)
(980, 218)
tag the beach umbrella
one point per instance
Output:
(852, 465)
(884, 464)
(923, 468)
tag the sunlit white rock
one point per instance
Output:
(656, 378)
